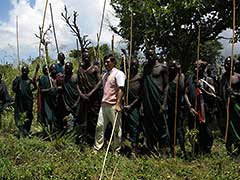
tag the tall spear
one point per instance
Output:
(98, 54)
(231, 71)
(17, 36)
(54, 31)
(41, 31)
(41, 38)
(197, 78)
(130, 56)
(99, 35)
(78, 58)
(198, 54)
(175, 113)
(113, 45)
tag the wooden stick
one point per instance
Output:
(130, 57)
(78, 58)
(18, 51)
(41, 31)
(98, 53)
(113, 45)
(101, 25)
(110, 140)
(231, 71)
(124, 64)
(197, 78)
(54, 31)
(99, 36)
(115, 169)
(175, 114)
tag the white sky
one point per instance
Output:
(30, 18)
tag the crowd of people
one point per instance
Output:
(159, 102)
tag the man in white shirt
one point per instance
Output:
(113, 84)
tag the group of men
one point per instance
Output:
(155, 102)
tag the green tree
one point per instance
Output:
(172, 26)
(210, 51)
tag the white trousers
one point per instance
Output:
(107, 114)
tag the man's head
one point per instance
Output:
(68, 68)
(61, 58)
(86, 57)
(227, 64)
(53, 69)
(174, 66)
(237, 66)
(85, 60)
(200, 66)
(134, 66)
(109, 62)
(25, 70)
(150, 55)
(45, 69)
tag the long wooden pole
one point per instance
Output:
(41, 31)
(231, 70)
(197, 75)
(101, 25)
(41, 36)
(130, 57)
(78, 58)
(98, 54)
(99, 35)
(54, 31)
(110, 140)
(175, 114)
(113, 45)
(18, 51)
(197, 78)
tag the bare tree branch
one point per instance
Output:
(74, 29)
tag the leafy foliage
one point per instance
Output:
(172, 26)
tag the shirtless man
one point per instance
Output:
(154, 98)
(198, 90)
(233, 136)
(176, 79)
(5, 99)
(132, 110)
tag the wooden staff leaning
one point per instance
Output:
(45, 43)
(42, 27)
(42, 40)
(197, 79)
(113, 45)
(175, 112)
(130, 57)
(18, 51)
(53, 26)
(231, 70)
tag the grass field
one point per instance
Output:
(38, 158)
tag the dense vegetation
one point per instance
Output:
(40, 157)
(173, 26)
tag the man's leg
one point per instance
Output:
(118, 128)
(100, 129)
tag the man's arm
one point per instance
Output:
(34, 79)
(95, 88)
(190, 106)
(120, 79)
(165, 86)
(15, 85)
(119, 99)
